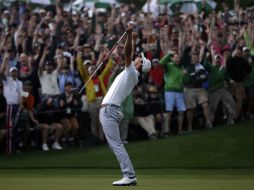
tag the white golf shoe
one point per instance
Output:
(126, 181)
(45, 147)
(56, 146)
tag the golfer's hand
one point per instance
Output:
(130, 26)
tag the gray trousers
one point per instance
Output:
(124, 126)
(110, 118)
(227, 100)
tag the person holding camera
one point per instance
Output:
(195, 93)
(70, 105)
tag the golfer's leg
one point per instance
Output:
(112, 133)
(124, 129)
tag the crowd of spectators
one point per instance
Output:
(201, 75)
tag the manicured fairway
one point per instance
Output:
(164, 179)
(217, 159)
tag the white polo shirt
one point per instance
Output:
(12, 90)
(122, 86)
(49, 84)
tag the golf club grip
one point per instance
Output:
(105, 58)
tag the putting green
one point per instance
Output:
(62, 179)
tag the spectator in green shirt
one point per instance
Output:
(173, 78)
(217, 91)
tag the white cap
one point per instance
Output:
(74, 12)
(6, 12)
(87, 61)
(155, 60)
(217, 55)
(42, 11)
(146, 66)
(245, 48)
(13, 69)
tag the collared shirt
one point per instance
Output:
(49, 83)
(122, 86)
(12, 90)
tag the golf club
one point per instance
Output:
(78, 92)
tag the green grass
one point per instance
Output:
(217, 159)
(150, 179)
(221, 147)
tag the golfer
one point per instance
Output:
(110, 112)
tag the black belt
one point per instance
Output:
(111, 105)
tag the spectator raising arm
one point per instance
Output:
(42, 61)
(3, 42)
(82, 69)
(98, 38)
(165, 60)
(4, 69)
(77, 39)
(59, 61)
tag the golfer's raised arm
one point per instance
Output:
(128, 44)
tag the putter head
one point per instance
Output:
(75, 92)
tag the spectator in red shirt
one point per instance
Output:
(156, 73)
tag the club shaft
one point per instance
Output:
(104, 59)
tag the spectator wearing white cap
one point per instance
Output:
(95, 90)
(217, 91)
(12, 92)
(156, 73)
